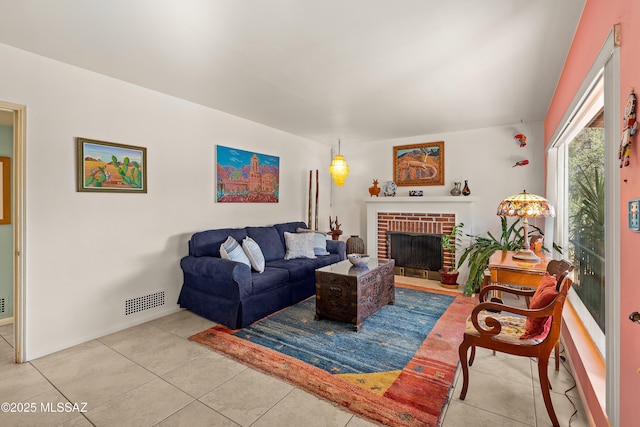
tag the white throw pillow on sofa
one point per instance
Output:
(254, 253)
(319, 241)
(299, 245)
(232, 250)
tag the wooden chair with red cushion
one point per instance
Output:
(533, 332)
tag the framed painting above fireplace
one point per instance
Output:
(419, 164)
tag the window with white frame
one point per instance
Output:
(570, 145)
(580, 185)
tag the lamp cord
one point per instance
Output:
(563, 359)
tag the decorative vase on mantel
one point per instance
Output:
(355, 245)
(455, 191)
(466, 191)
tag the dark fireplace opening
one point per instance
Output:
(415, 252)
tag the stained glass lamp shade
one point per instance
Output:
(525, 205)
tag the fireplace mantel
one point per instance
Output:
(423, 199)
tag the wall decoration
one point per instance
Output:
(315, 225)
(389, 189)
(335, 228)
(630, 128)
(5, 190)
(634, 215)
(419, 164)
(110, 167)
(521, 139)
(246, 177)
(518, 156)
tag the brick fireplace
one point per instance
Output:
(427, 214)
(414, 222)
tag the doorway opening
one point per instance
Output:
(16, 115)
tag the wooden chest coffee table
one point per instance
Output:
(350, 294)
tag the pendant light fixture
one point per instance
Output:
(339, 168)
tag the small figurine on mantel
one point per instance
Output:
(374, 190)
(335, 228)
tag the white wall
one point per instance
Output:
(485, 157)
(86, 253)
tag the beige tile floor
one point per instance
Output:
(152, 375)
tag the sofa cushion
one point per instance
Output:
(319, 241)
(253, 252)
(299, 245)
(337, 247)
(207, 243)
(271, 278)
(268, 240)
(290, 227)
(231, 249)
(298, 268)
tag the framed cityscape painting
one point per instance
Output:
(246, 177)
(110, 167)
(419, 164)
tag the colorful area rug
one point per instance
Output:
(397, 370)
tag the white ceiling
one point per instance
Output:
(359, 70)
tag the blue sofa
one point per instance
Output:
(233, 294)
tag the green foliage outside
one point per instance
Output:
(586, 219)
(586, 184)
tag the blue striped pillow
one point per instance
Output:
(254, 253)
(232, 250)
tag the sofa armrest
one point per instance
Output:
(218, 276)
(337, 247)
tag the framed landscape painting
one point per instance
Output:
(419, 164)
(246, 177)
(110, 167)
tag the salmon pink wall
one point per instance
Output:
(597, 20)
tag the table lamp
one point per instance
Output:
(526, 205)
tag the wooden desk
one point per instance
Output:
(508, 271)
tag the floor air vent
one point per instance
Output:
(2, 305)
(146, 302)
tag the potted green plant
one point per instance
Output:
(481, 249)
(449, 276)
(477, 254)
